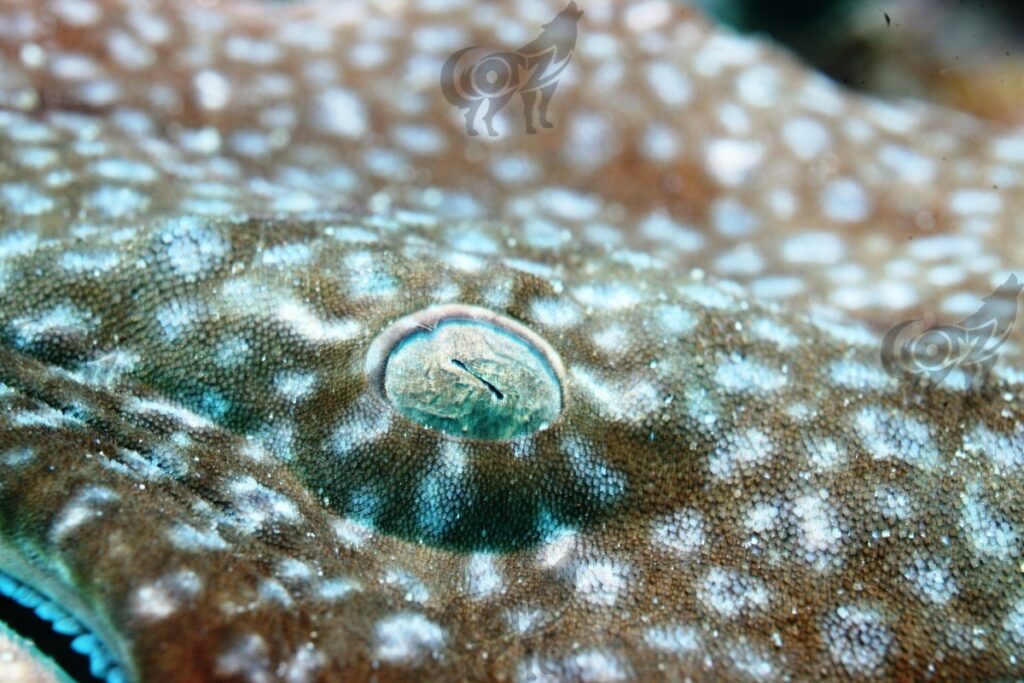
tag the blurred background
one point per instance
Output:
(964, 54)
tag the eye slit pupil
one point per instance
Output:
(493, 389)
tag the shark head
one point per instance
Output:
(298, 382)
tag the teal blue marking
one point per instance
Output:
(102, 664)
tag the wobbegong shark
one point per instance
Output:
(300, 383)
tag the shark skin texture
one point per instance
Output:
(209, 213)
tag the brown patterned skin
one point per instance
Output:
(196, 257)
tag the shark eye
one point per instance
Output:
(468, 372)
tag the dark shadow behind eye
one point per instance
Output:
(24, 621)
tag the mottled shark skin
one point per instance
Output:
(210, 214)
(671, 135)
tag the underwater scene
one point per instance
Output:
(537, 341)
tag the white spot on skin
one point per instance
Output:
(820, 533)
(620, 401)
(748, 376)
(62, 319)
(213, 90)
(889, 435)
(188, 538)
(555, 313)
(368, 276)
(257, 506)
(845, 332)
(612, 296)
(89, 262)
(758, 85)
(44, 416)
(861, 376)
(825, 454)
(590, 469)
(286, 255)
(302, 666)
(232, 352)
(587, 666)
(83, 507)
(967, 202)
(732, 161)
(482, 577)
(192, 247)
(910, 166)
(658, 226)
(600, 582)
(675, 639)
(647, 15)
(753, 447)
(162, 598)
(184, 416)
(246, 659)
(304, 323)
(991, 535)
(294, 570)
(931, 579)
(364, 424)
(675, 321)
(77, 12)
(706, 295)
(178, 316)
(613, 339)
(893, 503)
(762, 518)
(733, 219)
(858, 639)
(444, 492)
(117, 202)
(723, 50)
(414, 590)
(1013, 624)
(806, 137)
(17, 243)
(524, 620)
(597, 666)
(407, 638)
(17, 456)
(1004, 450)
(660, 144)
(272, 592)
(730, 594)
(845, 200)
(568, 204)
(752, 662)
(24, 200)
(769, 330)
(743, 260)
(556, 551)
(295, 385)
(351, 533)
(669, 83)
(682, 532)
(340, 112)
(125, 171)
(819, 248)
(336, 589)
